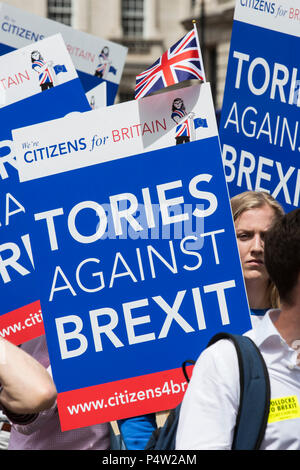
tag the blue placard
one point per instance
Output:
(135, 301)
(97, 61)
(88, 81)
(18, 289)
(259, 128)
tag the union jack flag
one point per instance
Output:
(45, 76)
(181, 62)
(183, 129)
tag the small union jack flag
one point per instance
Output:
(183, 129)
(181, 62)
(45, 76)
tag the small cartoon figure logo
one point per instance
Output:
(104, 67)
(186, 122)
(45, 70)
(93, 102)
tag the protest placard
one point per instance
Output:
(38, 83)
(109, 134)
(136, 251)
(259, 128)
(97, 96)
(96, 60)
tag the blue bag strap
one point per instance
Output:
(254, 403)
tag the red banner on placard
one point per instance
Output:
(122, 399)
(22, 324)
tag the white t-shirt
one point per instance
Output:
(210, 405)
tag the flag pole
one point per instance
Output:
(199, 48)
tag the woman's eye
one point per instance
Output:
(243, 236)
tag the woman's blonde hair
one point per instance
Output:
(252, 200)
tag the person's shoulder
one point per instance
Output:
(219, 353)
(217, 363)
(223, 345)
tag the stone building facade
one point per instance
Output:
(148, 28)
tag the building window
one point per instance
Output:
(60, 10)
(193, 4)
(133, 18)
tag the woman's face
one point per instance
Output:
(251, 227)
(177, 104)
(35, 55)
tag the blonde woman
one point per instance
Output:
(253, 214)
